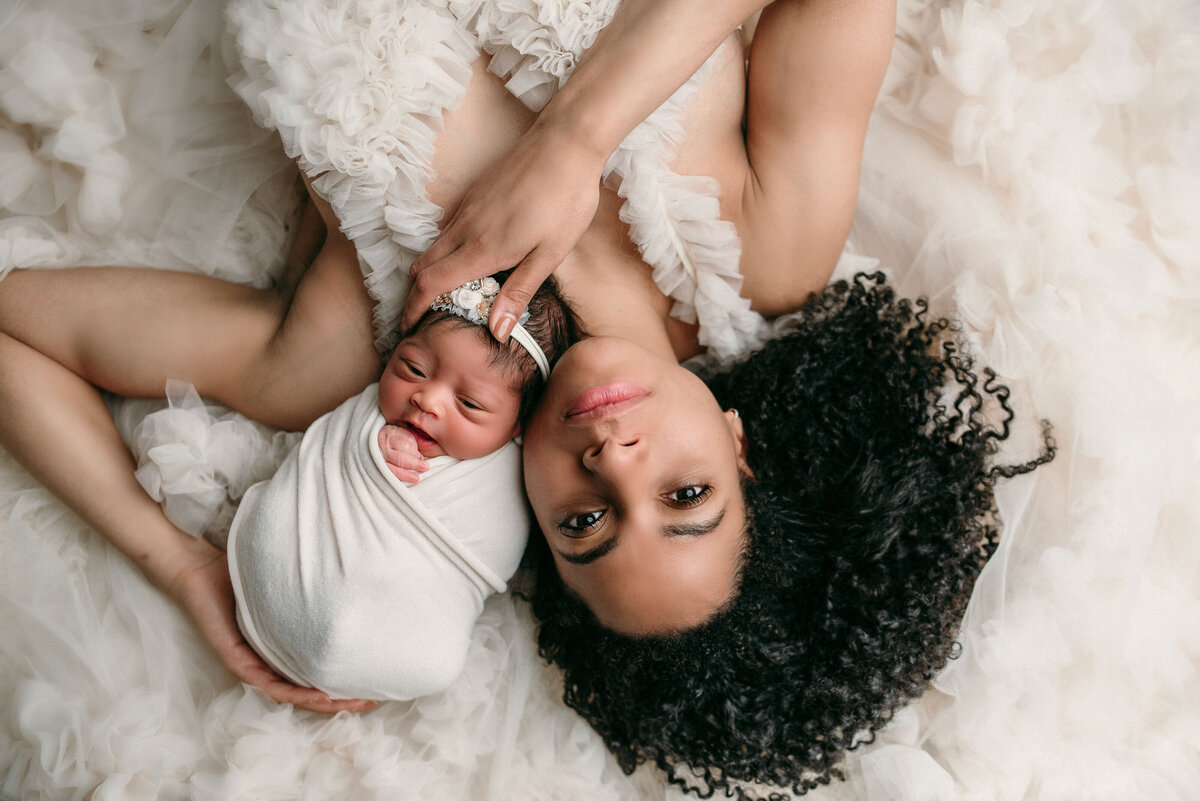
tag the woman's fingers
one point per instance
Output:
(284, 692)
(517, 291)
(205, 591)
(248, 667)
(432, 277)
(466, 264)
(528, 208)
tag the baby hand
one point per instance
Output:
(399, 448)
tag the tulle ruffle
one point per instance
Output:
(357, 90)
(1032, 166)
(1027, 167)
(198, 459)
(121, 142)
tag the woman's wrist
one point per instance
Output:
(176, 553)
(569, 138)
(647, 51)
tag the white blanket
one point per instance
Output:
(1032, 165)
(353, 582)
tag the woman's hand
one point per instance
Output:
(204, 590)
(533, 204)
(399, 448)
(526, 212)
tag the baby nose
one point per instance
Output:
(429, 400)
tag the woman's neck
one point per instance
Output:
(612, 291)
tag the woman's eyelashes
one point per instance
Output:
(691, 495)
(581, 524)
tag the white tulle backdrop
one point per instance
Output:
(1033, 166)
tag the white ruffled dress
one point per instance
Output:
(357, 90)
(1032, 165)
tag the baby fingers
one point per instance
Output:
(408, 476)
(399, 449)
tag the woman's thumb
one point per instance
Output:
(509, 305)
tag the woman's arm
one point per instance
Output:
(63, 332)
(815, 70)
(58, 427)
(530, 208)
(280, 357)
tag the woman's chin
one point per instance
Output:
(603, 360)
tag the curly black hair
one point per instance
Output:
(870, 516)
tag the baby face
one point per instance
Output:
(440, 385)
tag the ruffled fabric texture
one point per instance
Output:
(1032, 165)
(130, 149)
(197, 459)
(1026, 167)
(357, 90)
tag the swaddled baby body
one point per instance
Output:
(361, 566)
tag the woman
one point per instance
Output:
(744, 595)
(787, 184)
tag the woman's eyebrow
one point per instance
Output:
(590, 555)
(694, 529)
(670, 530)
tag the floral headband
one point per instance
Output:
(473, 301)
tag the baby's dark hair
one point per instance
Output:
(870, 516)
(552, 323)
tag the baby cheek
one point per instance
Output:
(470, 441)
(475, 440)
(392, 398)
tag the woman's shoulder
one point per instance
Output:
(789, 173)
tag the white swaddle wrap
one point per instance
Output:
(353, 582)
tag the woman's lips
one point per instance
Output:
(605, 401)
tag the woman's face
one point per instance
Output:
(634, 474)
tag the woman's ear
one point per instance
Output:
(738, 430)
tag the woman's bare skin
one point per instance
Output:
(286, 356)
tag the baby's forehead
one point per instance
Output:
(498, 373)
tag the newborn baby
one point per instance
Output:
(361, 566)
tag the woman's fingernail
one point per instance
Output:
(504, 326)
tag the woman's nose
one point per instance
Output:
(612, 453)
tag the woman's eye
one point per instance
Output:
(691, 495)
(576, 525)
